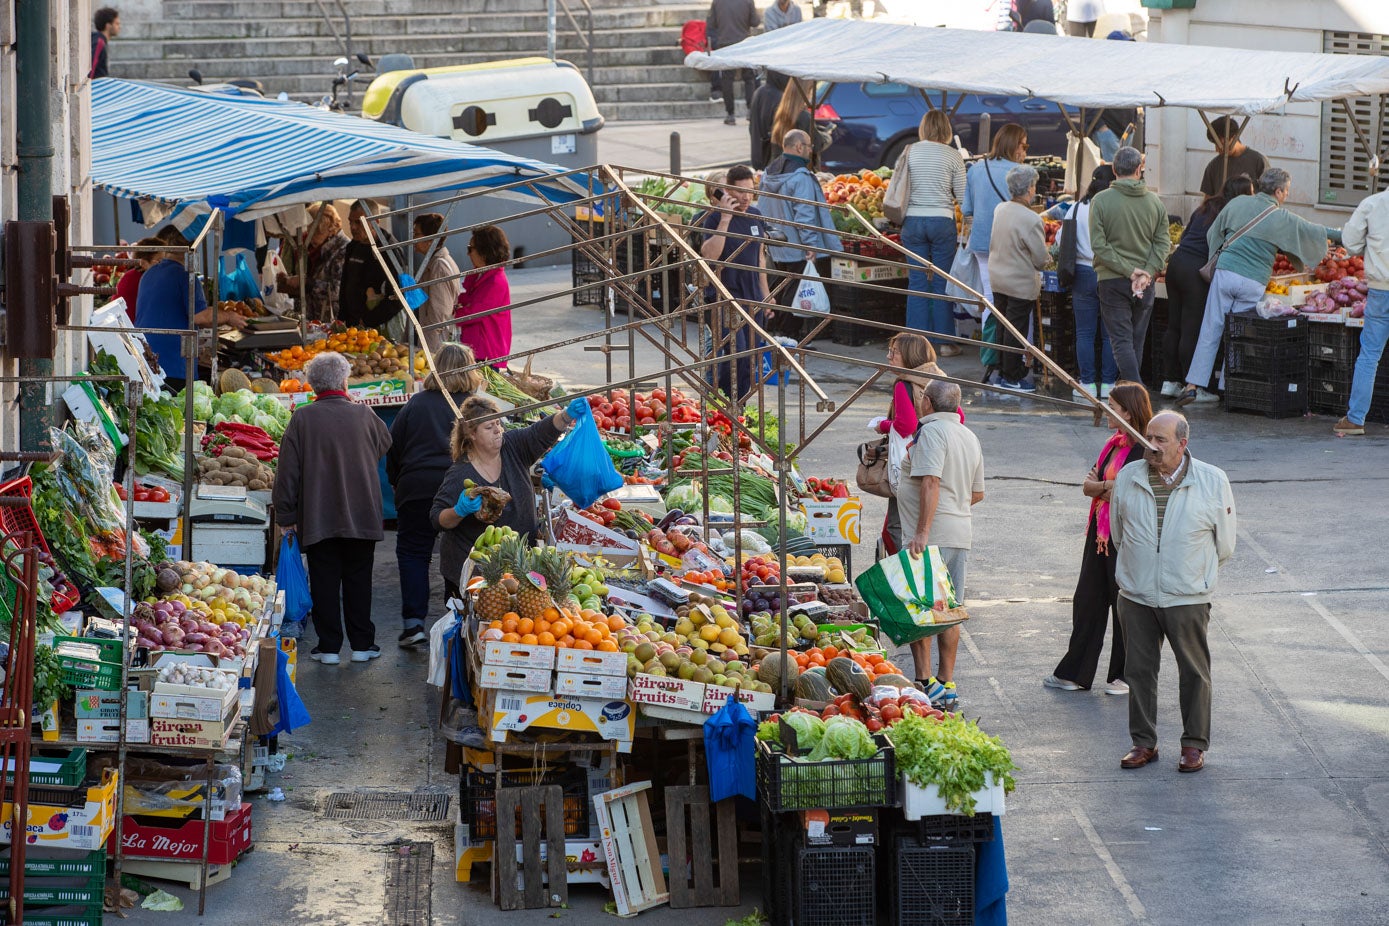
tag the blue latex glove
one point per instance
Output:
(467, 504)
(577, 408)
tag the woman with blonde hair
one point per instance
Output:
(415, 467)
(913, 352)
(794, 112)
(986, 188)
(327, 248)
(937, 174)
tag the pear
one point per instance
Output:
(699, 657)
(654, 667)
(644, 653)
(702, 675)
(670, 660)
(687, 671)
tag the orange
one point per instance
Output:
(883, 668)
(876, 658)
(616, 623)
(603, 630)
(529, 639)
(583, 644)
(496, 625)
(527, 625)
(551, 614)
(566, 641)
(541, 626)
(593, 636)
(607, 646)
(545, 638)
(560, 627)
(510, 623)
(511, 638)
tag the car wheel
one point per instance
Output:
(894, 151)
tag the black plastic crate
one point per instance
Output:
(785, 784)
(852, 302)
(1275, 399)
(477, 798)
(1248, 326)
(934, 884)
(835, 887)
(949, 827)
(1328, 343)
(1285, 359)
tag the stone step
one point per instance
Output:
(617, 16)
(652, 92)
(673, 111)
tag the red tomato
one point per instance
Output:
(612, 504)
(647, 420)
(658, 394)
(142, 495)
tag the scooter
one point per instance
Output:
(333, 101)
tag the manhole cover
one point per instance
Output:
(401, 805)
(409, 878)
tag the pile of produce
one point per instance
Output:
(1283, 265)
(801, 783)
(241, 596)
(158, 426)
(622, 410)
(672, 542)
(346, 341)
(704, 646)
(824, 490)
(490, 538)
(235, 467)
(384, 361)
(832, 566)
(144, 493)
(179, 623)
(291, 385)
(951, 753)
(766, 630)
(255, 441)
(1337, 265)
(250, 308)
(610, 513)
(691, 198)
(191, 676)
(1349, 294)
(530, 598)
(863, 191)
(246, 407)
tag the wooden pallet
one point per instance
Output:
(690, 805)
(629, 844)
(539, 806)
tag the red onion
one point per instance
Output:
(196, 637)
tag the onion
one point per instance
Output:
(146, 642)
(195, 648)
(215, 647)
(208, 627)
(196, 637)
(173, 635)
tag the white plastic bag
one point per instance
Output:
(966, 270)
(811, 297)
(277, 302)
(438, 650)
(898, 447)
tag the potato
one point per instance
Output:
(256, 485)
(235, 452)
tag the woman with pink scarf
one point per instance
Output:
(1096, 591)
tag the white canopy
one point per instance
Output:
(1074, 71)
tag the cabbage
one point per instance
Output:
(844, 738)
(809, 729)
(217, 419)
(685, 497)
(269, 424)
(795, 521)
(719, 504)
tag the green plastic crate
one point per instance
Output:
(90, 673)
(71, 772)
(42, 862)
(82, 890)
(67, 915)
(109, 650)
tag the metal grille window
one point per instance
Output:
(1346, 178)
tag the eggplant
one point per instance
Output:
(671, 517)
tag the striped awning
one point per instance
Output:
(196, 150)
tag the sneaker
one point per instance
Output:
(949, 698)
(1203, 397)
(473, 738)
(411, 636)
(1347, 428)
(366, 655)
(716, 96)
(1022, 385)
(950, 350)
(328, 659)
(1091, 391)
(730, 121)
(1196, 395)
(1117, 687)
(1170, 389)
(1051, 681)
(1106, 389)
(931, 688)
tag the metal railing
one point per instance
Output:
(552, 8)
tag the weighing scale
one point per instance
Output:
(230, 528)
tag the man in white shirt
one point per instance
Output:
(1367, 232)
(945, 481)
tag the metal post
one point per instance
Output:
(675, 152)
(34, 128)
(550, 26)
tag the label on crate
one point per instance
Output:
(667, 692)
(612, 720)
(835, 521)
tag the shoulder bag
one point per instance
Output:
(899, 189)
(1208, 270)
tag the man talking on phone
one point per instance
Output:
(734, 232)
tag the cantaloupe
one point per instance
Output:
(849, 677)
(774, 666)
(812, 685)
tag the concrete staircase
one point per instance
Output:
(638, 69)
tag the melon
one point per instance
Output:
(774, 666)
(812, 685)
(849, 677)
(893, 681)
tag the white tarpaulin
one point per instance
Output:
(1074, 71)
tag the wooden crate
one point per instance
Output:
(689, 836)
(629, 845)
(541, 815)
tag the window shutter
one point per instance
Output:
(1345, 166)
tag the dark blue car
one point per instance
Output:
(872, 123)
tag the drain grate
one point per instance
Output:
(409, 883)
(391, 805)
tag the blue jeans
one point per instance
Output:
(932, 238)
(1085, 301)
(1107, 141)
(1372, 339)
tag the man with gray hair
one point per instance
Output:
(942, 480)
(789, 175)
(1248, 234)
(1172, 502)
(1017, 254)
(1128, 234)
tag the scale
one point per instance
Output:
(268, 333)
(230, 528)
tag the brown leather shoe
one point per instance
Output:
(1193, 760)
(1138, 757)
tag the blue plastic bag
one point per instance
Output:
(414, 298)
(293, 713)
(580, 465)
(239, 285)
(291, 576)
(728, 747)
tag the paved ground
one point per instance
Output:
(1287, 824)
(646, 145)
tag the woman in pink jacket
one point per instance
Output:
(913, 351)
(489, 335)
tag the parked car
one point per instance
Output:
(871, 123)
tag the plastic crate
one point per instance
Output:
(1276, 399)
(53, 891)
(90, 673)
(853, 302)
(40, 862)
(68, 915)
(785, 784)
(477, 798)
(1333, 344)
(834, 886)
(1248, 326)
(13, 520)
(1286, 359)
(955, 828)
(71, 771)
(108, 649)
(934, 884)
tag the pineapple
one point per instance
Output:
(531, 600)
(551, 563)
(494, 600)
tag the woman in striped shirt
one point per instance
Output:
(937, 174)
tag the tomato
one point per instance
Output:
(120, 492)
(142, 495)
(159, 494)
(624, 420)
(646, 420)
(612, 504)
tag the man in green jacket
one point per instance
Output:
(1128, 233)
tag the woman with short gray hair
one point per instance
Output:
(1248, 234)
(1017, 253)
(328, 492)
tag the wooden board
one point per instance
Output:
(688, 819)
(629, 845)
(541, 809)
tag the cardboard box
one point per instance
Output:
(86, 827)
(591, 662)
(155, 837)
(840, 827)
(673, 714)
(664, 691)
(835, 521)
(187, 702)
(585, 685)
(104, 730)
(515, 678)
(165, 731)
(106, 705)
(515, 710)
(716, 696)
(641, 498)
(842, 268)
(581, 535)
(520, 655)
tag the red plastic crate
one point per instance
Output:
(14, 520)
(182, 840)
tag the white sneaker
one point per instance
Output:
(1117, 687)
(366, 655)
(1204, 397)
(1091, 390)
(328, 659)
(1106, 389)
(1051, 681)
(1171, 390)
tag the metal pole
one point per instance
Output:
(550, 26)
(675, 152)
(34, 128)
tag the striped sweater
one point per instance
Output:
(938, 179)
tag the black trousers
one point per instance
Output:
(414, 549)
(340, 582)
(726, 79)
(786, 324)
(1093, 606)
(1013, 366)
(1186, 306)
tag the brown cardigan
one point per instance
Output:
(326, 483)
